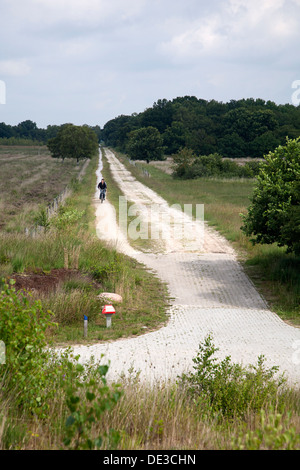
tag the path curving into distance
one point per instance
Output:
(211, 292)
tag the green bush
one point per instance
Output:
(23, 328)
(67, 217)
(190, 166)
(274, 431)
(229, 389)
(35, 379)
(88, 398)
(273, 215)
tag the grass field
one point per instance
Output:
(30, 177)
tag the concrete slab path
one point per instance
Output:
(211, 292)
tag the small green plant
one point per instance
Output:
(67, 217)
(229, 389)
(274, 432)
(88, 400)
(42, 220)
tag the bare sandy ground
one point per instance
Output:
(211, 292)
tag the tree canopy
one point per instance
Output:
(237, 129)
(274, 213)
(73, 142)
(30, 131)
(145, 143)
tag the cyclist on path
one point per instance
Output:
(103, 187)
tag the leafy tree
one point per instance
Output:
(232, 146)
(249, 124)
(54, 146)
(201, 142)
(159, 116)
(263, 144)
(115, 131)
(74, 142)
(27, 129)
(273, 215)
(174, 137)
(183, 161)
(145, 144)
(52, 131)
(291, 226)
(6, 130)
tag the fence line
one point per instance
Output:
(145, 172)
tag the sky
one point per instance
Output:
(89, 61)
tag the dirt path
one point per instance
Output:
(211, 294)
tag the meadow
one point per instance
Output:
(30, 177)
(51, 279)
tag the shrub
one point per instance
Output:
(88, 398)
(229, 389)
(273, 215)
(67, 217)
(190, 166)
(23, 328)
(41, 219)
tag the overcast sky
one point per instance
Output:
(88, 61)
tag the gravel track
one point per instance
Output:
(210, 291)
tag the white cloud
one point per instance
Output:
(14, 68)
(78, 12)
(92, 60)
(256, 10)
(197, 40)
(239, 28)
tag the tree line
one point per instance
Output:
(237, 129)
(64, 141)
(28, 130)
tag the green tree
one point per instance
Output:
(74, 142)
(263, 144)
(273, 215)
(291, 226)
(159, 116)
(182, 162)
(174, 137)
(27, 129)
(145, 144)
(249, 124)
(232, 146)
(53, 145)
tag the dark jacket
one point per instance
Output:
(102, 185)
